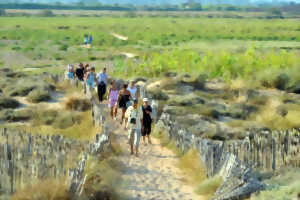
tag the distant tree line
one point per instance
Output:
(189, 6)
(63, 7)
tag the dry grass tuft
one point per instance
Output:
(83, 129)
(237, 84)
(103, 180)
(44, 190)
(191, 164)
(269, 116)
(209, 186)
(165, 141)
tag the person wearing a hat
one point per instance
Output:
(146, 121)
(133, 125)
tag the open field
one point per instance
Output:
(49, 43)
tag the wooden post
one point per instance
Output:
(274, 154)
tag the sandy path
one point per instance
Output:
(128, 55)
(153, 175)
(56, 102)
(120, 37)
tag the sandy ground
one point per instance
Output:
(153, 175)
(55, 103)
(121, 37)
(128, 55)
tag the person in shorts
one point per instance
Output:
(146, 121)
(133, 125)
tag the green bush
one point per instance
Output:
(19, 90)
(2, 12)
(200, 81)
(93, 58)
(281, 81)
(45, 117)
(39, 95)
(8, 103)
(159, 95)
(63, 47)
(47, 13)
(24, 86)
(15, 116)
(276, 12)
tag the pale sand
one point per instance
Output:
(128, 55)
(153, 175)
(120, 37)
(55, 103)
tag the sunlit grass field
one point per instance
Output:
(219, 47)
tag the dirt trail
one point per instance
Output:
(56, 102)
(153, 175)
(120, 37)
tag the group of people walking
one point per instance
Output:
(137, 119)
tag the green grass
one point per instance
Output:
(219, 47)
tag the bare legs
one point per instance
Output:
(149, 139)
(113, 112)
(123, 115)
(131, 142)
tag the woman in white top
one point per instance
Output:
(134, 116)
(133, 90)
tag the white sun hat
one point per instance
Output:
(145, 100)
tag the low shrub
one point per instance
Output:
(77, 104)
(63, 47)
(159, 95)
(46, 13)
(8, 103)
(200, 81)
(281, 81)
(93, 58)
(44, 117)
(39, 95)
(284, 186)
(21, 89)
(2, 12)
(15, 116)
(65, 120)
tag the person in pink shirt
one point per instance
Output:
(113, 95)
